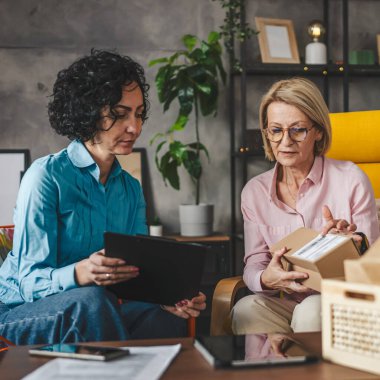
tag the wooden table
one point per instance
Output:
(190, 365)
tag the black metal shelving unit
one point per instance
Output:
(240, 155)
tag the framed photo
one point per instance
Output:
(13, 164)
(378, 48)
(135, 164)
(277, 40)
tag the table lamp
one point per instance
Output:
(316, 51)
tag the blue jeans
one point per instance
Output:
(86, 314)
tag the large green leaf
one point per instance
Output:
(186, 99)
(157, 61)
(213, 37)
(209, 102)
(171, 174)
(163, 163)
(197, 55)
(205, 47)
(160, 145)
(170, 94)
(179, 124)
(155, 137)
(193, 165)
(156, 157)
(174, 57)
(189, 41)
(177, 151)
(162, 78)
(203, 87)
(168, 167)
(200, 147)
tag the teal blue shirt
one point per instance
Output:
(61, 214)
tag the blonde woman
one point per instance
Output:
(304, 189)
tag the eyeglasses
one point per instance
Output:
(297, 134)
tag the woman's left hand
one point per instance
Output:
(188, 308)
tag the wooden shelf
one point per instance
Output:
(310, 70)
(217, 237)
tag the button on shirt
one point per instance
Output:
(341, 185)
(61, 214)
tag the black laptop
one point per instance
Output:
(170, 271)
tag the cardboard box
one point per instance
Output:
(365, 270)
(319, 257)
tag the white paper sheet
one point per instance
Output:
(142, 364)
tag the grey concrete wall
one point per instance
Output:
(40, 37)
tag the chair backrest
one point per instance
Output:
(6, 241)
(356, 138)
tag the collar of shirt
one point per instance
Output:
(81, 158)
(314, 176)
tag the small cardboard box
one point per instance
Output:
(319, 257)
(365, 270)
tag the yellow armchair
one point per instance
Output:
(356, 137)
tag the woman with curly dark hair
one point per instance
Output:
(52, 284)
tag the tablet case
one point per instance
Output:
(170, 271)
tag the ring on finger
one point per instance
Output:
(108, 276)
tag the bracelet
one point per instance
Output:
(364, 243)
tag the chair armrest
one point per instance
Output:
(222, 302)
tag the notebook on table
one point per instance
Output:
(170, 271)
(254, 350)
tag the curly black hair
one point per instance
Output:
(82, 91)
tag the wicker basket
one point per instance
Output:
(351, 324)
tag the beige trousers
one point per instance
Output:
(263, 314)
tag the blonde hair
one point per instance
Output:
(305, 95)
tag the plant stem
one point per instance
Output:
(197, 183)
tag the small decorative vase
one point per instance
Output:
(155, 230)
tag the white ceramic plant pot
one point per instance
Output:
(196, 220)
(155, 230)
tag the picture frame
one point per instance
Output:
(135, 164)
(277, 40)
(13, 164)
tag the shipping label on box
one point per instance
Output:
(318, 256)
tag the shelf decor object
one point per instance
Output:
(13, 164)
(361, 57)
(135, 164)
(316, 52)
(156, 228)
(277, 40)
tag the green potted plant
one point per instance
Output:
(155, 228)
(190, 76)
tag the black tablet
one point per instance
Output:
(170, 271)
(254, 350)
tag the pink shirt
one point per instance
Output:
(341, 185)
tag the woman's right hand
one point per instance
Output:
(276, 278)
(101, 270)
